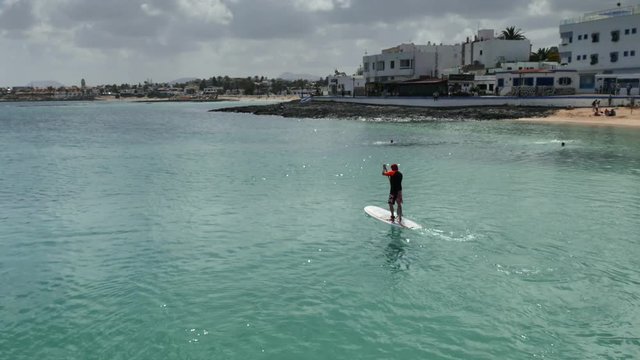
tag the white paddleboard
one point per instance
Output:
(384, 215)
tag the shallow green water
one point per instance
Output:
(153, 231)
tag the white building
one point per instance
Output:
(213, 90)
(345, 85)
(489, 50)
(471, 84)
(537, 82)
(526, 65)
(410, 61)
(601, 42)
(402, 62)
(619, 84)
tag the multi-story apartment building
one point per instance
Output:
(409, 61)
(601, 42)
(402, 62)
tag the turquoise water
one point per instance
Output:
(163, 231)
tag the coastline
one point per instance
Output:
(290, 106)
(584, 116)
(390, 113)
(524, 114)
(190, 99)
(111, 98)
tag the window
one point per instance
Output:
(595, 37)
(632, 53)
(626, 31)
(634, 30)
(366, 66)
(587, 81)
(544, 81)
(615, 35)
(626, 53)
(594, 59)
(405, 64)
(585, 36)
(569, 59)
(565, 81)
(373, 66)
(392, 64)
(380, 66)
(579, 37)
(523, 81)
(613, 57)
(480, 52)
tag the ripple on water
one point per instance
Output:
(167, 231)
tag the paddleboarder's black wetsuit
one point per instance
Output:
(395, 180)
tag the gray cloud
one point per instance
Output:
(16, 16)
(163, 39)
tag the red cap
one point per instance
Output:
(394, 167)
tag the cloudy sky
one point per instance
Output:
(130, 41)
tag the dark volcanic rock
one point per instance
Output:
(339, 110)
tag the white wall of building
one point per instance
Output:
(433, 60)
(490, 52)
(345, 85)
(558, 79)
(588, 44)
(448, 56)
(403, 62)
(527, 65)
(498, 50)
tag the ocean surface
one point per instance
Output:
(164, 231)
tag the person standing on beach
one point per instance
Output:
(395, 191)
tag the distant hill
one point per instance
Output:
(43, 84)
(183, 80)
(291, 77)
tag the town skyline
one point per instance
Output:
(132, 41)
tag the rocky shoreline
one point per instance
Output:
(339, 110)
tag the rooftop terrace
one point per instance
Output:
(604, 14)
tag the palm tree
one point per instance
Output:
(554, 54)
(545, 54)
(541, 55)
(511, 33)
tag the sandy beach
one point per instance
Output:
(584, 116)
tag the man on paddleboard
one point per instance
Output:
(395, 192)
